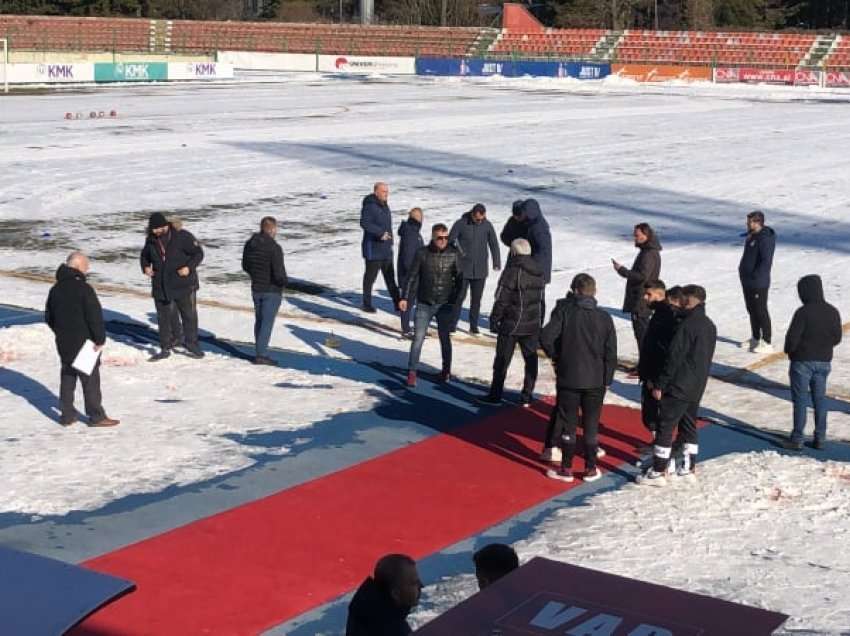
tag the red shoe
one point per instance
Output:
(411, 378)
(445, 376)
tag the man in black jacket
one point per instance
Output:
(434, 282)
(581, 340)
(170, 258)
(680, 388)
(516, 318)
(410, 242)
(474, 235)
(262, 260)
(381, 604)
(647, 267)
(754, 272)
(74, 314)
(814, 331)
(527, 221)
(377, 246)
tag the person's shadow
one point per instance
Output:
(39, 396)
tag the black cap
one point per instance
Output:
(156, 220)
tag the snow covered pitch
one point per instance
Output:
(762, 528)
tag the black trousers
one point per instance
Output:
(756, 302)
(640, 323)
(505, 346)
(675, 414)
(91, 392)
(567, 419)
(370, 275)
(166, 316)
(477, 287)
(650, 408)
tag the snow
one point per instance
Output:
(599, 156)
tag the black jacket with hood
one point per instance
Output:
(757, 259)
(262, 260)
(74, 314)
(647, 267)
(166, 254)
(688, 363)
(816, 326)
(516, 311)
(539, 236)
(410, 242)
(372, 612)
(473, 240)
(435, 277)
(656, 342)
(581, 340)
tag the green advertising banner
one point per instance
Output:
(131, 72)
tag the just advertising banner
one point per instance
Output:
(131, 72)
(510, 68)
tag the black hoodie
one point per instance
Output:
(372, 612)
(688, 363)
(816, 326)
(656, 342)
(647, 267)
(74, 314)
(516, 311)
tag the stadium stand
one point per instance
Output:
(577, 43)
(38, 33)
(838, 59)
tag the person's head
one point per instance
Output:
(492, 562)
(158, 224)
(654, 291)
(478, 213)
(415, 214)
(643, 233)
(583, 285)
(397, 575)
(518, 210)
(382, 191)
(755, 221)
(520, 247)
(694, 295)
(675, 297)
(440, 236)
(78, 261)
(269, 226)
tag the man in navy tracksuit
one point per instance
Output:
(754, 271)
(410, 240)
(376, 221)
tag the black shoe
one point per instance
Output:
(817, 443)
(526, 401)
(407, 335)
(369, 309)
(264, 360)
(194, 352)
(68, 421)
(489, 400)
(790, 444)
(162, 355)
(474, 332)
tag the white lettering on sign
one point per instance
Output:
(492, 67)
(136, 71)
(599, 625)
(554, 615)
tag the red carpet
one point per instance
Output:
(258, 565)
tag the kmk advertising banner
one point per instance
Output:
(510, 68)
(131, 72)
(50, 73)
(199, 71)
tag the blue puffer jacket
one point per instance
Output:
(410, 240)
(757, 259)
(376, 220)
(539, 237)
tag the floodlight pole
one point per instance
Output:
(5, 65)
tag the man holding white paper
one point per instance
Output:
(74, 314)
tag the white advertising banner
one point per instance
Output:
(359, 64)
(268, 61)
(199, 71)
(50, 73)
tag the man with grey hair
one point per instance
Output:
(74, 314)
(516, 318)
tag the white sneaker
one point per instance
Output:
(600, 452)
(763, 347)
(651, 478)
(749, 344)
(551, 455)
(593, 475)
(560, 475)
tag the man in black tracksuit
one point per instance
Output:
(410, 242)
(170, 258)
(581, 340)
(381, 604)
(647, 267)
(681, 385)
(754, 272)
(516, 318)
(262, 260)
(474, 235)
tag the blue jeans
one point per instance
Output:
(809, 378)
(265, 311)
(424, 313)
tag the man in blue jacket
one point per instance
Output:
(410, 240)
(376, 221)
(754, 271)
(527, 221)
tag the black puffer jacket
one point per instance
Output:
(168, 253)
(435, 277)
(473, 241)
(647, 267)
(516, 311)
(656, 342)
(372, 612)
(262, 260)
(688, 362)
(410, 242)
(582, 341)
(539, 236)
(816, 327)
(74, 314)
(757, 259)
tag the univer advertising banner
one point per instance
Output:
(359, 64)
(131, 72)
(510, 68)
(50, 73)
(661, 73)
(546, 598)
(838, 79)
(199, 71)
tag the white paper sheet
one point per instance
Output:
(86, 358)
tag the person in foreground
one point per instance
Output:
(581, 340)
(814, 331)
(382, 603)
(492, 562)
(74, 314)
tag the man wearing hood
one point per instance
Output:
(814, 331)
(581, 341)
(380, 606)
(516, 320)
(262, 260)
(474, 235)
(74, 315)
(410, 242)
(170, 258)
(754, 272)
(527, 221)
(647, 267)
(377, 246)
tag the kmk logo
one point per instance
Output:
(136, 71)
(204, 70)
(57, 71)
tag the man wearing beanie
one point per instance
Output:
(170, 258)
